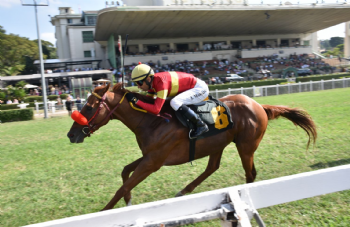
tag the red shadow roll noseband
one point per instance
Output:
(79, 118)
(90, 126)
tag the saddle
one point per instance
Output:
(213, 112)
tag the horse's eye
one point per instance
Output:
(89, 108)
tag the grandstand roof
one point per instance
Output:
(148, 22)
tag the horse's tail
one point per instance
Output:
(297, 116)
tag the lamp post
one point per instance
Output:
(43, 82)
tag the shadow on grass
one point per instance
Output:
(322, 165)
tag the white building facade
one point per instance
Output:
(75, 36)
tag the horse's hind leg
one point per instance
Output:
(126, 174)
(213, 165)
(246, 152)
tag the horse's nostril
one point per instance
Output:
(70, 135)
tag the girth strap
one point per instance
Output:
(192, 149)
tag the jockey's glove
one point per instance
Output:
(131, 98)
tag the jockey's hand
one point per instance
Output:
(131, 98)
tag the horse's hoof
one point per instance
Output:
(179, 194)
(129, 203)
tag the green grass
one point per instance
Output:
(45, 177)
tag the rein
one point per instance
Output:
(90, 129)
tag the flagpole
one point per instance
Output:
(121, 58)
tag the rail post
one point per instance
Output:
(310, 85)
(288, 88)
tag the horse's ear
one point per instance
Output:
(106, 88)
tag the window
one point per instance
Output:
(69, 21)
(306, 43)
(91, 20)
(88, 36)
(87, 54)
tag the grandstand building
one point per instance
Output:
(167, 31)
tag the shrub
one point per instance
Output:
(63, 96)
(40, 98)
(321, 77)
(16, 115)
(9, 106)
(246, 84)
(52, 97)
(33, 98)
(2, 96)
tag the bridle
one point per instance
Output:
(90, 128)
(90, 125)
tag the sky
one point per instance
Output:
(20, 20)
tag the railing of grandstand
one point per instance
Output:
(257, 2)
(295, 2)
(284, 89)
(271, 48)
(178, 52)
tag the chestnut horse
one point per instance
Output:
(166, 142)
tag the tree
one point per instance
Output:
(341, 47)
(2, 30)
(48, 49)
(13, 51)
(325, 44)
(337, 51)
(335, 41)
(17, 54)
(12, 70)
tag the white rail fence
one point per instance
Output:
(233, 205)
(284, 89)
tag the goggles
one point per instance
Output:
(139, 82)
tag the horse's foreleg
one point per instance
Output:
(125, 176)
(213, 165)
(142, 171)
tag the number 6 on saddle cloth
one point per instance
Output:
(214, 113)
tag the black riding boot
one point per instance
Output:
(201, 127)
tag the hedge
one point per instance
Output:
(277, 81)
(246, 84)
(16, 115)
(52, 97)
(63, 96)
(9, 106)
(321, 77)
(33, 98)
(40, 98)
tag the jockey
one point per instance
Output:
(185, 88)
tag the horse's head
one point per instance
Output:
(92, 116)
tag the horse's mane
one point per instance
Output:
(117, 88)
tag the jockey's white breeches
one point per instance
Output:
(191, 96)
